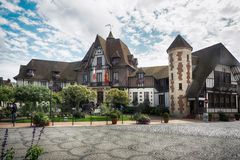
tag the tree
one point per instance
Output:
(117, 97)
(30, 95)
(76, 95)
(6, 94)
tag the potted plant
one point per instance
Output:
(237, 116)
(165, 117)
(40, 119)
(209, 116)
(114, 118)
(142, 119)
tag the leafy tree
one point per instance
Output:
(6, 94)
(117, 97)
(30, 95)
(76, 95)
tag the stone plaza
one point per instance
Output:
(216, 140)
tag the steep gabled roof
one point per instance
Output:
(43, 70)
(179, 42)
(208, 58)
(158, 72)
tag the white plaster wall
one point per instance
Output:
(141, 96)
(98, 53)
(166, 99)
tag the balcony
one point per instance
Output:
(225, 87)
(96, 84)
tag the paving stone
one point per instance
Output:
(168, 141)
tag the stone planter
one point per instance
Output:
(166, 120)
(114, 120)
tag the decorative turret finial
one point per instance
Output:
(110, 35)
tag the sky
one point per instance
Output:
(63, 30)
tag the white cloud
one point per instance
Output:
(27, 21)
(70, 27)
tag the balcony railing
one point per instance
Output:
(96, 84)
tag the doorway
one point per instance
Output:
(192, 107)
(100, 97)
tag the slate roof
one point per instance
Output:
(158, 72)
(179, 42)
(43, 70)
(112, 48)
(207, 59)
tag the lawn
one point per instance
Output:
(87, 118)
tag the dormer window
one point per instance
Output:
(55, 75)
(140, 75)
(115, 60)
(140, 81)
(30, 73)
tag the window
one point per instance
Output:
(227, 78)
(146, 95)
(30, 73)
(211, 100)
(99, 61)
(115, 60)
(140, 79)
(135, 98)
(140, 75)
(222, 78)
(85, 78)
(187, 57)
(161, 100)
(227, 101)
(222, 101)
(99, 77)
(115, 77)
(233, 101)
(217, 100)
(180, 86)
(43, 83)
(99, 51)
(171, 76)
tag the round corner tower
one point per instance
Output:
(180, 76)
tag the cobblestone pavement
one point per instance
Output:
(135, 142)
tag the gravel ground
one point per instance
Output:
(136, 142)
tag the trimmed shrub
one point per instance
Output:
(113, 116)
(165, 117)
(130, 110)
(142, 119)
(79, 114)
(237, 116)
(40, 119)
(223, 117)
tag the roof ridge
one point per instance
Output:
(179, 41)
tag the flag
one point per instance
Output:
(106, 77)
(94, 73)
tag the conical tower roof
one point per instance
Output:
(179, 42)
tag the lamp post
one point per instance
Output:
(73, 110)
(50, 86)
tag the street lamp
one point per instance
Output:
(50, 86)
(73, 110)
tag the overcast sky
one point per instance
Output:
(63, 30)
